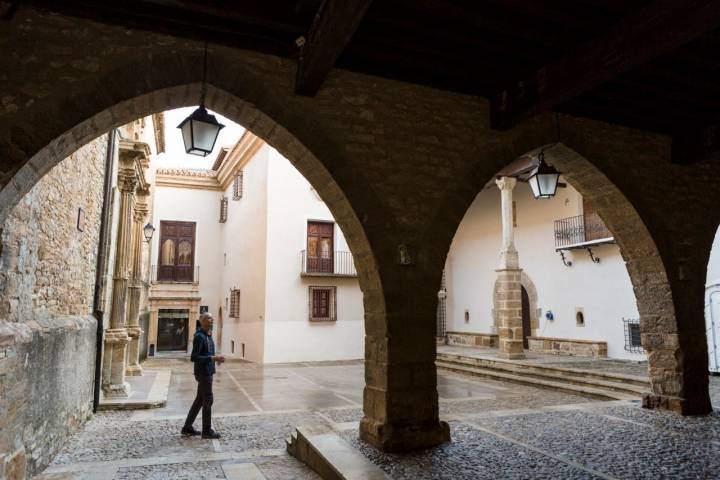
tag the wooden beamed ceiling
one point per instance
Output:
(646, 64)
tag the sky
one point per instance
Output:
(175, 156)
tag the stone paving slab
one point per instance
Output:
(149, 390)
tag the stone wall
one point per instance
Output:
(465, 339)
(567, 346)
(47, 331)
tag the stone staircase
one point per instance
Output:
(589, 383)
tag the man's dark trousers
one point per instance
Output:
(204, 400)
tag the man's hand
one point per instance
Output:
(219, 358)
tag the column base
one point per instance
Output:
(510, 349)
(683, 406)
(117, 391)
(403, 438)
(133, 370)
(511, 356)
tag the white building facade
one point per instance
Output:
(251, 242)
(574, 304)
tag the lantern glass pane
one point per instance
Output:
(533, 182)
(204, 135)
(186, 129)
(547, 184)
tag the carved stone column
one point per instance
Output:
(508, 294)
(116, 337)
(136, 286)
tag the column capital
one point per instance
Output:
(127, 180)
(506, 183)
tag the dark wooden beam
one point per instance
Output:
(331, 31)
(647, 33)
(698, 145)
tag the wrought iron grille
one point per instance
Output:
(238, 186)
(223, 209)
(322, 304)
(234, 303)
(633, 342)
(580, 229)
(442, 308)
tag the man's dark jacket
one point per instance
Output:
(202, 353)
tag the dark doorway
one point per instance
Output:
(172, 330)
(525, 317)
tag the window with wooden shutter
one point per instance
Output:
(176, 255)
(223, 209)
(238, 186)
(235, 303)
(323, 304)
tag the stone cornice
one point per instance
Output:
(187, 178)
(158, 120)
(229, 161)
(240, 154)
(135, 155)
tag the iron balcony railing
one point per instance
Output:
(175, 274)
(581, 230)
(340, 264)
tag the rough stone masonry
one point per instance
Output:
(47, 332)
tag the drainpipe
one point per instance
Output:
(101, 265)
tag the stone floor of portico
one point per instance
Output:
(499, 430)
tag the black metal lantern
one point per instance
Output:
(200, 130)
(148, 231)
(544, 179)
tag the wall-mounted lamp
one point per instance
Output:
(148, 231)
(549, 315)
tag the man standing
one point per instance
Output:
(203, 355)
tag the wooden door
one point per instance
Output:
(176, 255)
(525, 317)
(320, 257)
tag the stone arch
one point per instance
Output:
(594, 172)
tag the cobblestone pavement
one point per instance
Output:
(499, 430)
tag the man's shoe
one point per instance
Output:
(189, 431)
(212, 434)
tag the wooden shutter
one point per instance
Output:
(176, 256)
(320, 254)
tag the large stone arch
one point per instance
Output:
(670, 319)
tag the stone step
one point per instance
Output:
(331, 457)
(585, 390)
(529, 368)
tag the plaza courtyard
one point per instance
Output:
(499, 430)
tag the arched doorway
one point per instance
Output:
(526, 328)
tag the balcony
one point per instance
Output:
(175, 274)
(581, 231)
(340, 264)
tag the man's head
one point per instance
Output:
(206, 322)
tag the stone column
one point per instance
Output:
(508, 295)
(400, 400)
(116, 337)
(136, 286)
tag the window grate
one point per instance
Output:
(633, 339)
(442, 308)
(238, 186)
(234, 303)
(323, 304)
(223, 209)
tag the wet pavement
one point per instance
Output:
(499, 430)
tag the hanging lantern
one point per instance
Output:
(148, 231)
(200, 130)
(544, 179)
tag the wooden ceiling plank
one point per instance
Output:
(641, 36)
(331, 31)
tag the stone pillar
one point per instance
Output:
(116, 337)
(508, 294)
(400, 400)
(136, 285)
